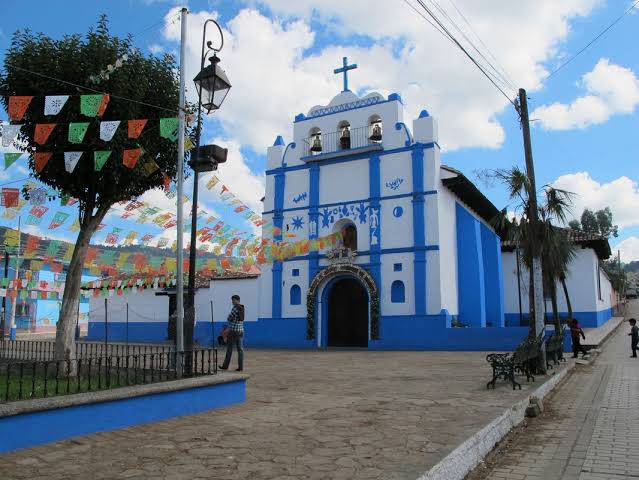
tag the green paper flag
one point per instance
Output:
(77, 131)
(90, 104)
(9, 158)
(169, 128)
(100, 158)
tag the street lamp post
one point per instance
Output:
(212, 87)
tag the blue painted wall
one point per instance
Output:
(419, 228)
(493, 277)
(586, 319)
(470, 269)
(31, 429)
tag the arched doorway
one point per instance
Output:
(347, 311)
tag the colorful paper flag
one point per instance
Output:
(77, 131)
(108, 129)
(41, 159)
(169, 128)
(136, 127)
(130, 157)
(90, 104)
(9, 133)
(10, 197)
(58, 219)
(150, 167)
(18, 106)
(103, 104)
(212, 182)
(10, 158)
(100, 157)
(53, 104)
(71, 160)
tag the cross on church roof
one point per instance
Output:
(345, 68)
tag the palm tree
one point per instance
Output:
(556, 249)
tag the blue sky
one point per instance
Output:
(585, 133)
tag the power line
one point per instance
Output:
(89, 89)
(593, 40)
(497, 75)
(461, 47)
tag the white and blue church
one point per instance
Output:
(418, 254)
(418, 267)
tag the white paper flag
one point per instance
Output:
(71, 160)
(9, 133)
(107, 130)
(54, 103)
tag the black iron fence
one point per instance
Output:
(44, 350)
(21, 380)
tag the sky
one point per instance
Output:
(279, 56)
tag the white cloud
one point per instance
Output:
(274, 77)
(611, 90)
(155, 48)
(629, 249)
(621, 195)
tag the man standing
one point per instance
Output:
(235, 335)
(576, 332)
(634, 336)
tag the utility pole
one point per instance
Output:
(14, 304)
(179, 317)
(533, 225)
(3, 320)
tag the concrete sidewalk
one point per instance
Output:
(590, 427)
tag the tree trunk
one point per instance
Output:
(568, 304)
(65, 328)
(555, 308)
(531, 303)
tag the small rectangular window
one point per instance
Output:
(397, 267)
(296, 272)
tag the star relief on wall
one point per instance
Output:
(298, 223)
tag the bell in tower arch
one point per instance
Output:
(317, 144)
(345, 138)
(376, 134)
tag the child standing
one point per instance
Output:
(634, 336)
(576, 333)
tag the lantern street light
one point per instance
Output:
(212, 86)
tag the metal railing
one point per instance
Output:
(44, 350)
(22, 380)
(331, 142)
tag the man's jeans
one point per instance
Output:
(234, 340)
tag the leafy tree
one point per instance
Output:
(38, 65)
(589, 221)
(599, 222)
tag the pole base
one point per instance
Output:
(13, 334)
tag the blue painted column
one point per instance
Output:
(374, 191)
(493, 277)
(278, 220)
(419, 229)
(313, 216)
(470, 269)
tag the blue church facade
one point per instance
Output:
(418, 256)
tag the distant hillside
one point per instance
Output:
(632, 267)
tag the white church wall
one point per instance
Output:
(265, 295)
(144, 307)
(296, 189)
(425, 129)
(389, 275)
(288, 280)
(431, 219)
(397, 223)
(433, 283)
(274, 156)
(269, 195)
(220, 292)
(581, 283)
(447, 243)
(396, 174)
(432, 166)
(344, 182)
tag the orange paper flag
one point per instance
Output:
(41, 159)
(131, 157)
(18, 106)
(136, 127)
(42, 132)
(103, 105)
